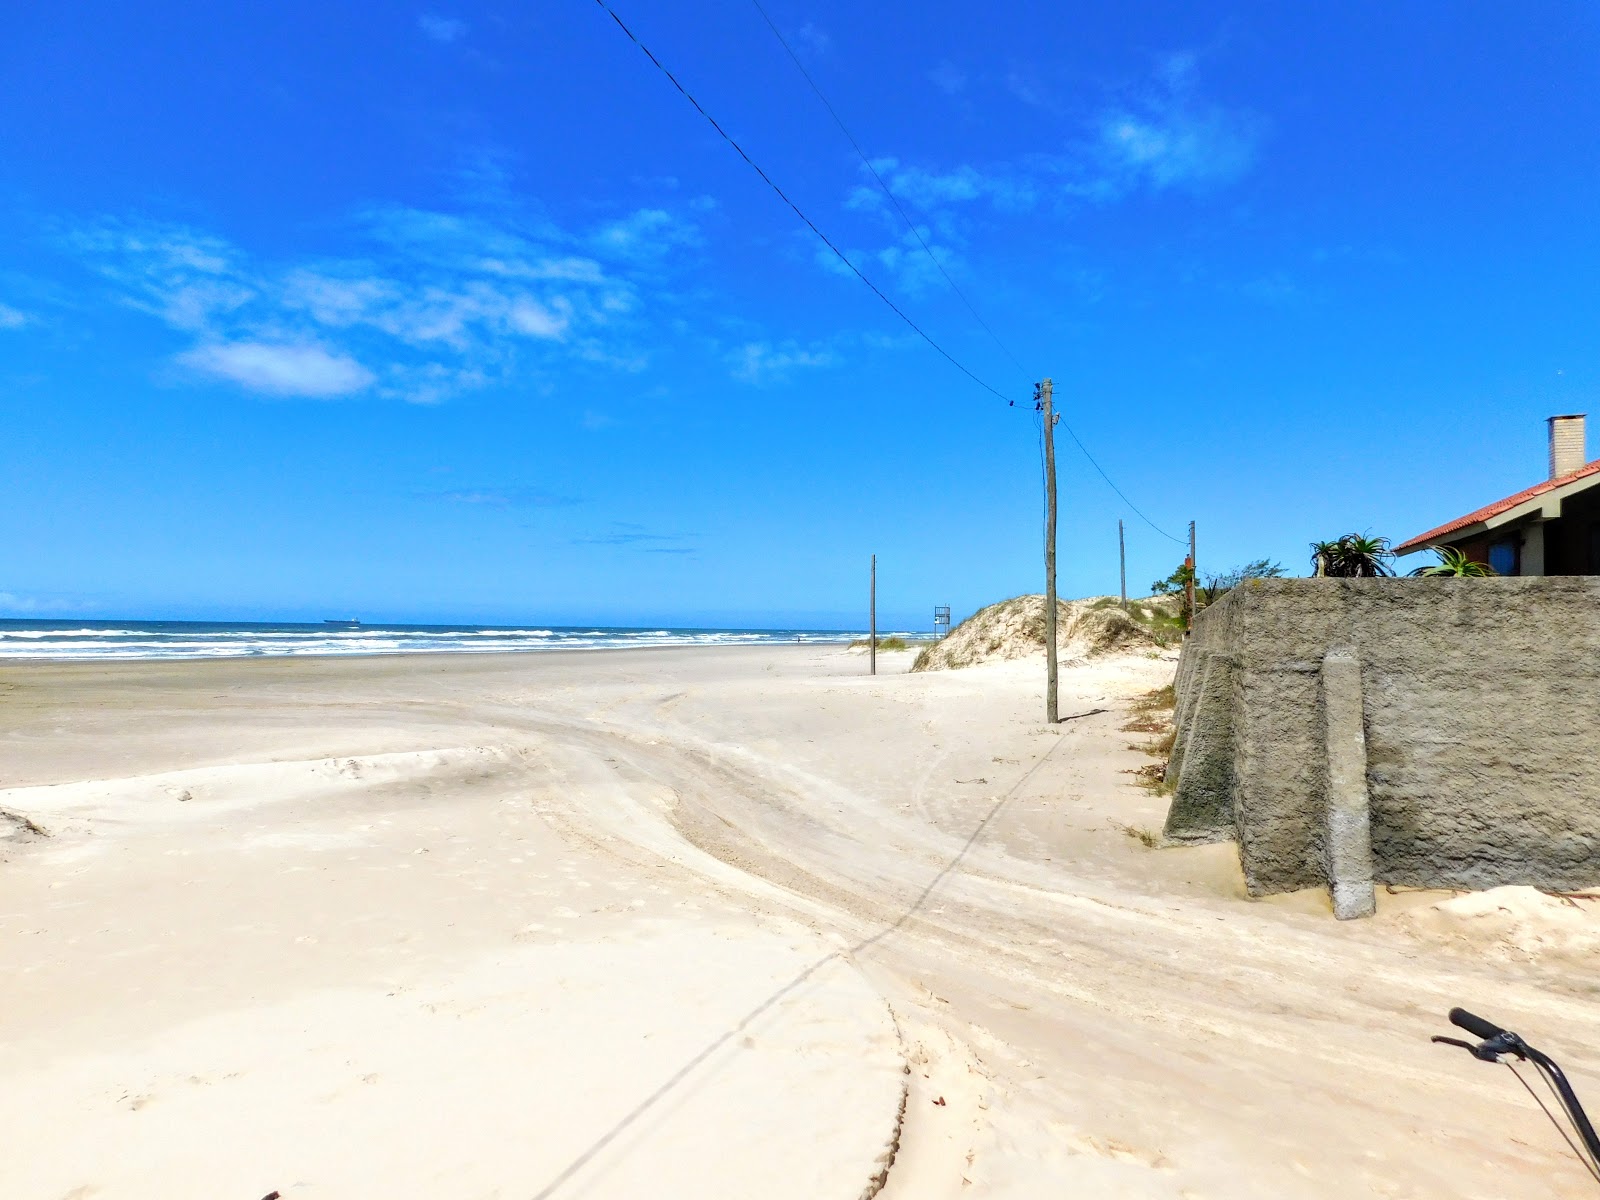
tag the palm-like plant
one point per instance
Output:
(1354, 556)
(1455, 564)
(1323, 554)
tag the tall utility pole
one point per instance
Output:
(872, 619)
(1047, 407)
(1122, 562)
(1192, 568)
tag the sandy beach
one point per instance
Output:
(708, 923)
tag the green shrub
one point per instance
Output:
(884, 643)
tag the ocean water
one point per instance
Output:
(24, 639)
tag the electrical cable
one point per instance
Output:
(856, 271)
(928, 250)
(809, 223)
(1084, 450)
(893, 199)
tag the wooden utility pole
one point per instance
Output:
(1122, 561)
(1192, 570)
(1047, 406)
(872, 619)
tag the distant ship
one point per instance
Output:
(342, 623)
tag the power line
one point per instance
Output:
(856, 271)
(893, 199)
(1084, 450)
(934, 258)
(809, 223)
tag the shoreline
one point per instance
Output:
(36, 641)
(10, 663)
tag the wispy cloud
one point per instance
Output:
(1027, 87)
(813, 40)
(12, 318)
(432, 304)
(503, 497)
(282, 369)
(648, 233)
(627, 535)
(1160, 135)
(185, 278)
(12, 602)
(1171, 137)
(1277, 290)
(443, 30)
(948, 78)
(1003, 187)
(762, 362)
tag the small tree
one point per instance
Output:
(1217, 586)
(1178, 582)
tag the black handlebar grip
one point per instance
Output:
(1475, 1025)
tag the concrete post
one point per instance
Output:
(1349, 816)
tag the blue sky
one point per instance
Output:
(461, 313)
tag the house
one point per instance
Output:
(1552, 528)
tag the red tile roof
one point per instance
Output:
(1489, 511)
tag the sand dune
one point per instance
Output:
(706, 923)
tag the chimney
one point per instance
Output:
(1567, 449)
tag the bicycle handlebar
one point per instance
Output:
(1475, 1025)
(1495, 1042)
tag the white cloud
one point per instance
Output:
(761, 362)
(1171, 138)
(1027, 87)
(460, 314)
(538, 320)
(647, 233)
(1177, 147)
(1004, 188)
(442, 303)
(333, 301)
(503, 497)
(1163, 136)
(913, 266)
(814, 40)
(13, 603)
(570, 269)
(12, 318)
(443, 30)
(943, 204)
(280, 369)
(185, 278)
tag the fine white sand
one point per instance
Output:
(708, 923)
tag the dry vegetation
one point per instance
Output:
(1148, 838)
(1152, 713)
(1085, 629)
(893, 642)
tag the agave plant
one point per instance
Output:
(1354, 556)
(1456, 564)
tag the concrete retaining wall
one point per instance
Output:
(1451, 724)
